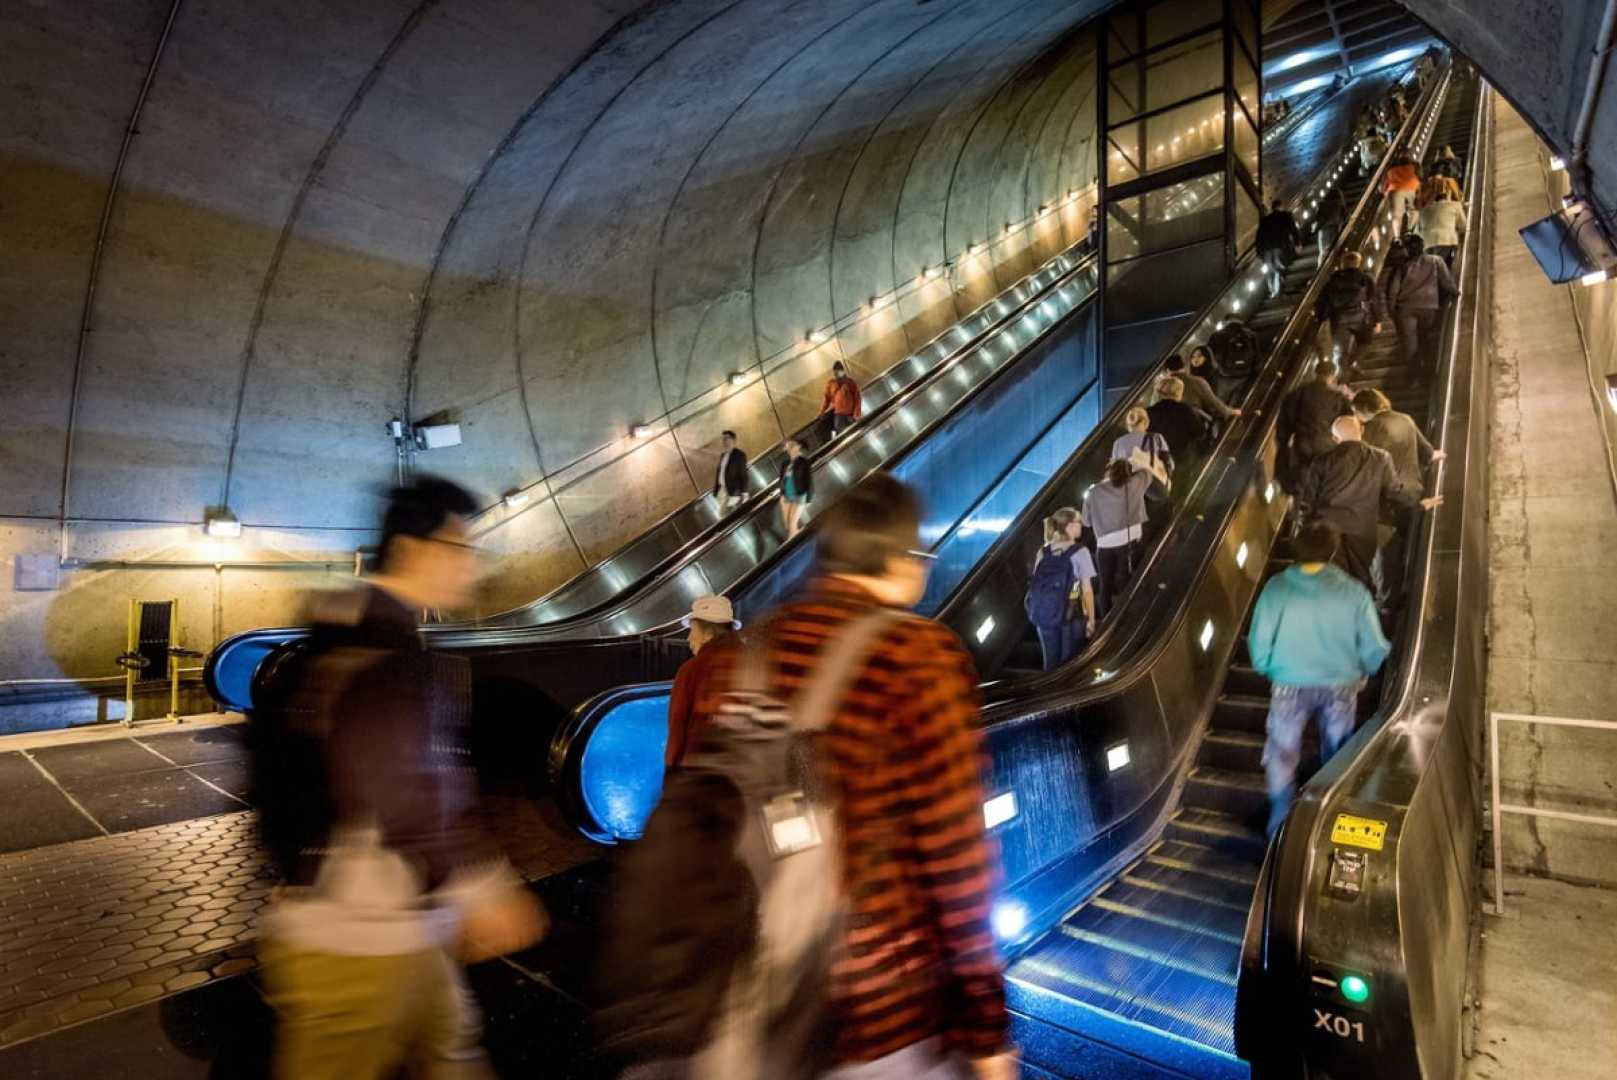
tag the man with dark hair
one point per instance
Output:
(1306, 416)
(842, 401)
(1417, 293)
(1316, 637)
(917, 979)
(1346, 489)
(730, 478)
(383, 897)
(1397, 433)
(1197, 392)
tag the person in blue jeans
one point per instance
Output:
(1316, 637)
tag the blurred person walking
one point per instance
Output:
(796, 487)
(842, 400)
(1277, 242)
(1401, 184)
(730, 477)
(1060, 600)
(1198, 392)
(1351, 304)
(1442, 226)
(1328, 221)
(811, 898)
(711, 627)
(1316, 637)
(362, 778)
(1306, 416)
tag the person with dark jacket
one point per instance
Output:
(1351, 304)
(730, 478)
(1236, 356)
(1446, 164)
(1198, 392)
(1185, 429)
(363, 940)
(1346, 488)
(842, 400)
(711, 625)
(796, 486)
(1417, 293)
(1306, 416)
(1116, 510)
(1412, 454)
(1278, 240)
(1328, 221)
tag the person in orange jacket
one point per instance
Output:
(841, 400)
(1402, 186)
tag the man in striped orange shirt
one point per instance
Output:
(917, 987)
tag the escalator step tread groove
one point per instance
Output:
(1196, 955)
(1206, 915)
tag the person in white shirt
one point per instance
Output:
(730, 478)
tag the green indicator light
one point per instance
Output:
(1355, 989)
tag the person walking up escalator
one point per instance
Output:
(1117, 510)
(1316, 637)
(1417, 293)
(730, 477)
(1328, 222)
(1351, 304)
(1278, 240)
(1060, 601)
(842, 400)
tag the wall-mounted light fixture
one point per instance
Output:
(738, 378)
(1611, 392)
(816, 337)
(639, 431)
(1557, 164)
(219, 523)
(515, 499)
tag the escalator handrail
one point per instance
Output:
(1102, 653)
(487, 636)
(1277, 942)
(1072, 255)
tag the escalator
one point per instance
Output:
(1150, 965)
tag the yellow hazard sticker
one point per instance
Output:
(1359, 832)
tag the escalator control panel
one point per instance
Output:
(1346, 879)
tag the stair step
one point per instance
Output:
(1238, 712)
(1240, 795)
(1188, 953)
(1238, 836)
(1165, 874)
(1232, 750)
(1174, 909)
(1198, 858)
(1242, 680)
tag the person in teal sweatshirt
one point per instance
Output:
(1316, 637)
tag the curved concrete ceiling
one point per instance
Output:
(547, 222)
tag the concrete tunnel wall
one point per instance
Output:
(544, 221)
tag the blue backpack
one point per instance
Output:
(1049, 591)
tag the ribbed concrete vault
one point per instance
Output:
(545, 221)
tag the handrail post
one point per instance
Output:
(1493, 809)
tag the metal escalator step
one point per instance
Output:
(1177, 950)
(1131, 988)
(1239, 837)
(1242, 680)
(1231, 750)
(1237, 794)
(1238, 712)
(1208, 862)
(1171, 878)
(1171, 914)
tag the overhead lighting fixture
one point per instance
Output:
(816, 337)
(738, 378)
(971, 249)
(639, 431)
(514, 499)
(219, 523)
(934, 272)
(1557, 164)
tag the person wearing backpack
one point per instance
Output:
(364, 794)
(811, 896)
(1236, 356)
(1351, 304)
(1063, 573)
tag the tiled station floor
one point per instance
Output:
(131, 874)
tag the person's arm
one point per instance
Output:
(681, 704)
(1372, 644)
(805, 479)
(1086, 600)
(1260, 637)
(939, 799)
(746, 473)
(1461, 222)
(1423, 446)
(1447, 291)
(830, 397)
(858, 399)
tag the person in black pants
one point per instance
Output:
(1116, 509)
(796, 487)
